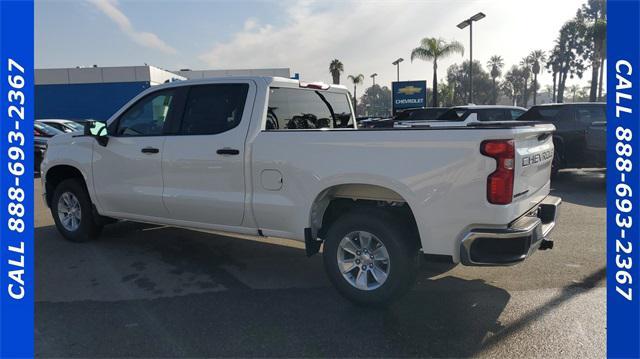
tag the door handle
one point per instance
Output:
(228, 151)
(149, 150)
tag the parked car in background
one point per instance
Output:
(597, 140)
(405, 118)
(63, 125)
(269, 156)
(580, 136)
(43, 130)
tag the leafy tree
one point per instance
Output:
(432, 49)
(495, 63)
(356, 80)
(536, 57)
(335, 68)
(446, 94)
(376, 101)
(513, 84)
(458, 77)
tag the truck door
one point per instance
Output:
(127, 171)
(203, 162)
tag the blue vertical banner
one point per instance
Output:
(623, 179)
(16, 182)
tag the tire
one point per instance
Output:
(384, 228)
(71, 195)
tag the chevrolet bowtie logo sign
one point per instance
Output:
(408, 94)
(409, 90)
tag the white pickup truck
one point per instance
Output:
(276, 157)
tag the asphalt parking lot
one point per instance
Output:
(149, 291)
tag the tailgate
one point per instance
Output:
(534, 154)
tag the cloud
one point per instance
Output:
(368, 35)
(147, 39)
(355, 32)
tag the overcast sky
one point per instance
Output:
(302, 35)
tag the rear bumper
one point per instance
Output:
(511, 245)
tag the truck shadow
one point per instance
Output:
(583, 187)
(237, 298)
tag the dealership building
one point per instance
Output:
(98, 92)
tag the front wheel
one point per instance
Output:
(369, 257)
(73, 213)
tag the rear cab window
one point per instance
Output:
(295, 109)
(454, 114)
(493, 115)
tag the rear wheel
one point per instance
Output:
(369, 258)
(73, 213)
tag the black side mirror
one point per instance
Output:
(97, 130)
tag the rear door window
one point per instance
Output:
(212, 109)
(294, 109)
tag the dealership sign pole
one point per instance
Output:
(623, 180)
(16, 181)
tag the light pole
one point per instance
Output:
(397, 63)
(373, 77)
(462, 25)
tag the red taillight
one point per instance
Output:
(500, 182)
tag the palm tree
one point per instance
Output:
(335, 68)
(495, 63)
(357, 79)
(431, 49)
(574, 90)
(536, 56)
